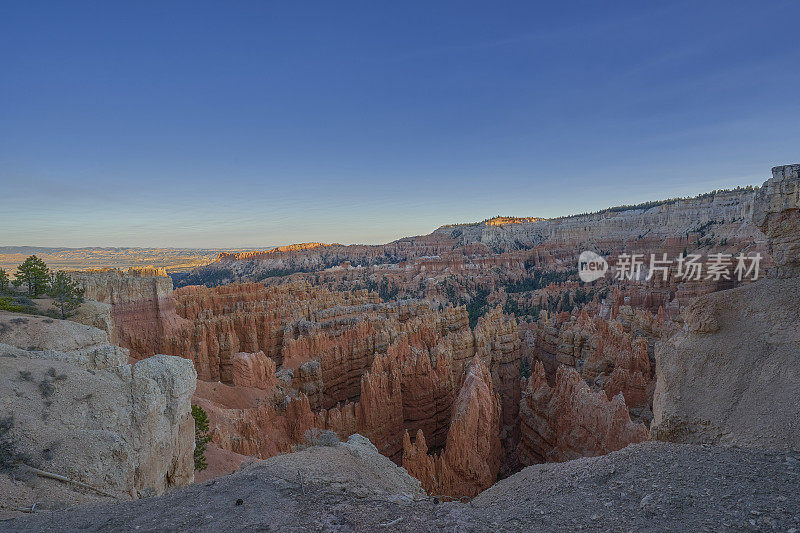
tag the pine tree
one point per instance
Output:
(68, 294)
(201, 437)
(3, 281)
(33, 272)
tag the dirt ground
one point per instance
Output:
(647, 487)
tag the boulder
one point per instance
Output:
(87, 415)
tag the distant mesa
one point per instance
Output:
(500, 221)
(255, 254)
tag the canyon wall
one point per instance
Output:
(376, 369)
(721, 377)
(730, 211)
(724, 218)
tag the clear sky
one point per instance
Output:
(256, 123)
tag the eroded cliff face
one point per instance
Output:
(776, 214)
(508, 242)
(721, 377)
(568, 420)
(375, 369)
(471, 457)
(142, 308)
(511, 262)
(611, 354)
(733, 209)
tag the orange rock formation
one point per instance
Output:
(470, 460)
(568, 420)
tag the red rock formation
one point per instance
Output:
(568, 420)
(226, 320)
(351, 365)
(142, 307)
(253, 370)
(497, 344)
(376, 369)
(296, 354)
(428, 391)
(471, 458)
(610, 354)
(379, 412)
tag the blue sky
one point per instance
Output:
(228, 124)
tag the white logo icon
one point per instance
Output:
(591, 266)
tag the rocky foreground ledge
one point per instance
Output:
(351, 487)
(71, 406)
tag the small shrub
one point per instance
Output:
(46, 388)
(8, 304)
(17, 304)
(10, 456)
(24, 301)
(201, 437)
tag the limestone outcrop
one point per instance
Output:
(509, 242)
(776, 214)
(86, 414)
(731, 374)
(58, 340)
(663, 219)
